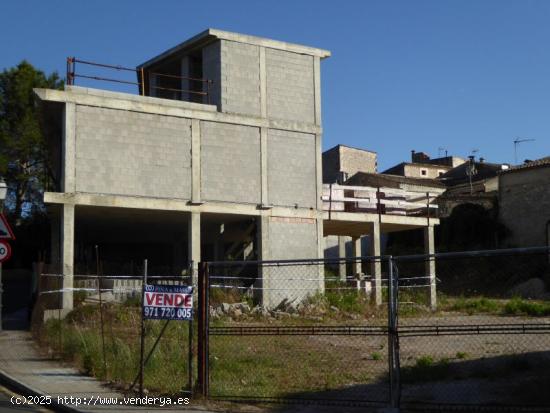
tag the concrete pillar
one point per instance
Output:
(356, 243)
(342, 255)
(68, 148)
(320, 253)
(263, 255)
(429, 248)
(317, 88)
(376, 265)
(67, 255)
(194, 243)
(263, 167)
(195, 161)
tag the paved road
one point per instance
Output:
(7, 407)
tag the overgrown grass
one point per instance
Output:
(77, 339)
(277, 366)
(517, 306)
(270, 366)
(347, 300)
(426, 369)
(475, 305)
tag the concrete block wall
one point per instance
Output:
(290, 238)
(291, 168)
(240, 78)
(122, 152)
(230, 163)
(129, 153)
(290, 86)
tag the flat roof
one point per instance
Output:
(350, 147)
(210, 35)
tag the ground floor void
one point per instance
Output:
(88, 239)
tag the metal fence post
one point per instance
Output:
(142, 335)
(202, 353)
(393, 352)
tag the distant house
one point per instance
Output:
(396, 181)
(422, 166)
(524, 203)
(342, 162)
(473, 182)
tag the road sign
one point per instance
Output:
(168, 302)
(5, 251)
(5, 229)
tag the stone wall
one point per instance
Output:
(431, 171)
(524, 206)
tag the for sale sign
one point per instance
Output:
(167, 302)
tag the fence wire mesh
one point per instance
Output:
(488, 343)
(296, 330)
(466, 330)
(101, 334)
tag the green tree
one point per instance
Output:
(23, 153)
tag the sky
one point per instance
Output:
(433, 76)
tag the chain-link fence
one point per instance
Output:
(296, 331)
(488, 343)
(461, 330)
(445, 331)
(102, 333)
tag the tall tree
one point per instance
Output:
(23, 154)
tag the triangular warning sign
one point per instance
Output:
(5, 229)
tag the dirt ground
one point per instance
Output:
(480, 369)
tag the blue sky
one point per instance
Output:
(459, 75)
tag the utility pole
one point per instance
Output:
(517, 141)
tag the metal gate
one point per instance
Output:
(293, 331)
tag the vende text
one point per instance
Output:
(168, 300)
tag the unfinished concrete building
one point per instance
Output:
(223, 162)
(218, 158)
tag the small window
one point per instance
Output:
(423, 172)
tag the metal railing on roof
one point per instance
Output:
(378, 200)
(72, 75)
